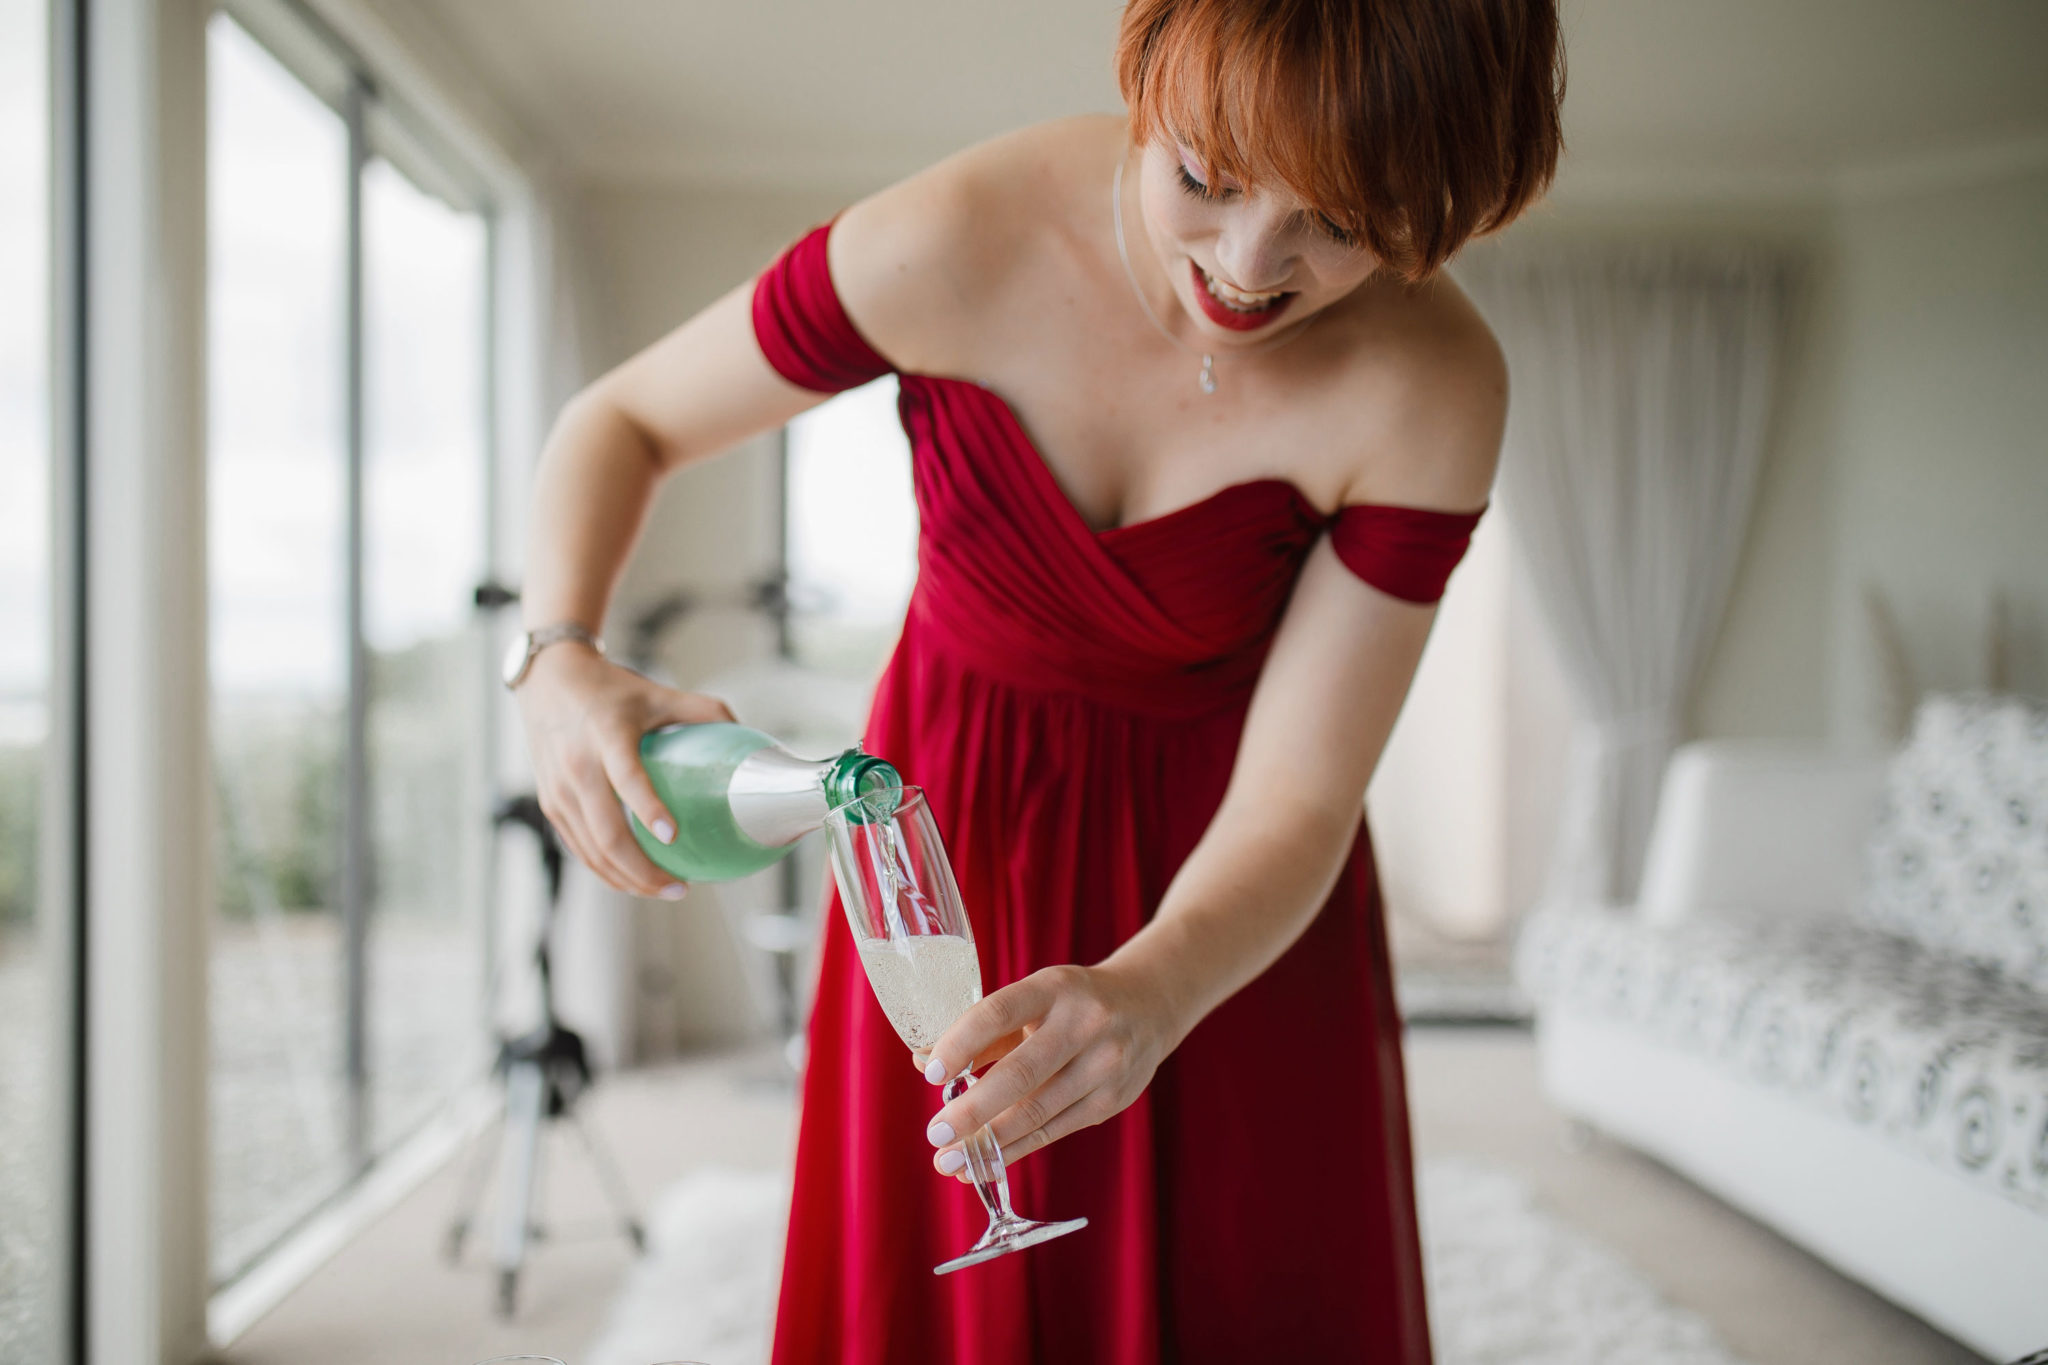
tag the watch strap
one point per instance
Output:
(538, 640)
(562, 630)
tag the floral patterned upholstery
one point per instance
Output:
(1959, 861)
(1923, 1016)
(1931, 1051)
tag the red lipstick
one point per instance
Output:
(1223, 315)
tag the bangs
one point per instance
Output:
(1411, 124)
(1242, 110)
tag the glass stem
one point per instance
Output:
(984, 1160)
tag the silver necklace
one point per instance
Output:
(1207, 378)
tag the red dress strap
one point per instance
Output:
(1405, 552)
(803, 328)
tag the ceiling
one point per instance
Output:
(803, 92)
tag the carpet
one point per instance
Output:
(1509, 1283)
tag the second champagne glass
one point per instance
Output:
(918, 948)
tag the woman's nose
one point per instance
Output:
(1253, 253)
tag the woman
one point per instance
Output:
(1199, 432)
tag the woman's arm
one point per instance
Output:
(700, 389)
(907, 262)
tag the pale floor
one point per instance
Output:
(390, 1300)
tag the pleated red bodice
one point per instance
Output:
(1071, 700)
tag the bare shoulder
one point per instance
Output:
(918, 263)
(1440, 386)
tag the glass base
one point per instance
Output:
(1006, 1236)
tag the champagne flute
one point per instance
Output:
(918, 949)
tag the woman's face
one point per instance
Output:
(1242, 263)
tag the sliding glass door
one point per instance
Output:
(348, 495)
(32, 984)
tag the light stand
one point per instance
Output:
(544, 1073)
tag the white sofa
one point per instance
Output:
(1830, 1007)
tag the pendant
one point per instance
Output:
(1208, 376)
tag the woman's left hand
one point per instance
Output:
(1070, 1047)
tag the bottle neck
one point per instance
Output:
(777, 798)
(861, 777)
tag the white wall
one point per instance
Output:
(1942, 459)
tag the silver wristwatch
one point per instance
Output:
(527, 644)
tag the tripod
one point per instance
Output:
(544, 1073)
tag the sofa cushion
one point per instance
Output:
(1959, 859)
(1760, 826)
(1937, 1054)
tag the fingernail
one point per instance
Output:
(664, 831)
(939, 1133)
(674, 891)
(952, 1161)
(935, 1071)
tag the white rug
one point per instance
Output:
(1508, 1283)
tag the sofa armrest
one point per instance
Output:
(1773, 828)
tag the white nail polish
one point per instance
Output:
(939, 1133)
(949, 1162)
(674, 891)
(664, 831)
(935, 1071)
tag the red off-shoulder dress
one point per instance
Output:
(1071, 700)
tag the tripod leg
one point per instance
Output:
(614, 1183)
(785, 992)
(472, 1190)
(525, 1100)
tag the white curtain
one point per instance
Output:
(1641, 394)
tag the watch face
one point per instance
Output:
(515, 658)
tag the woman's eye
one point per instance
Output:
(1192, 185)
(1337, 233)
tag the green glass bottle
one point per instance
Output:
(740, 800)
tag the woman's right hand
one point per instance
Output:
(584, 716)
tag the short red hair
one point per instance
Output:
(1413, 124)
